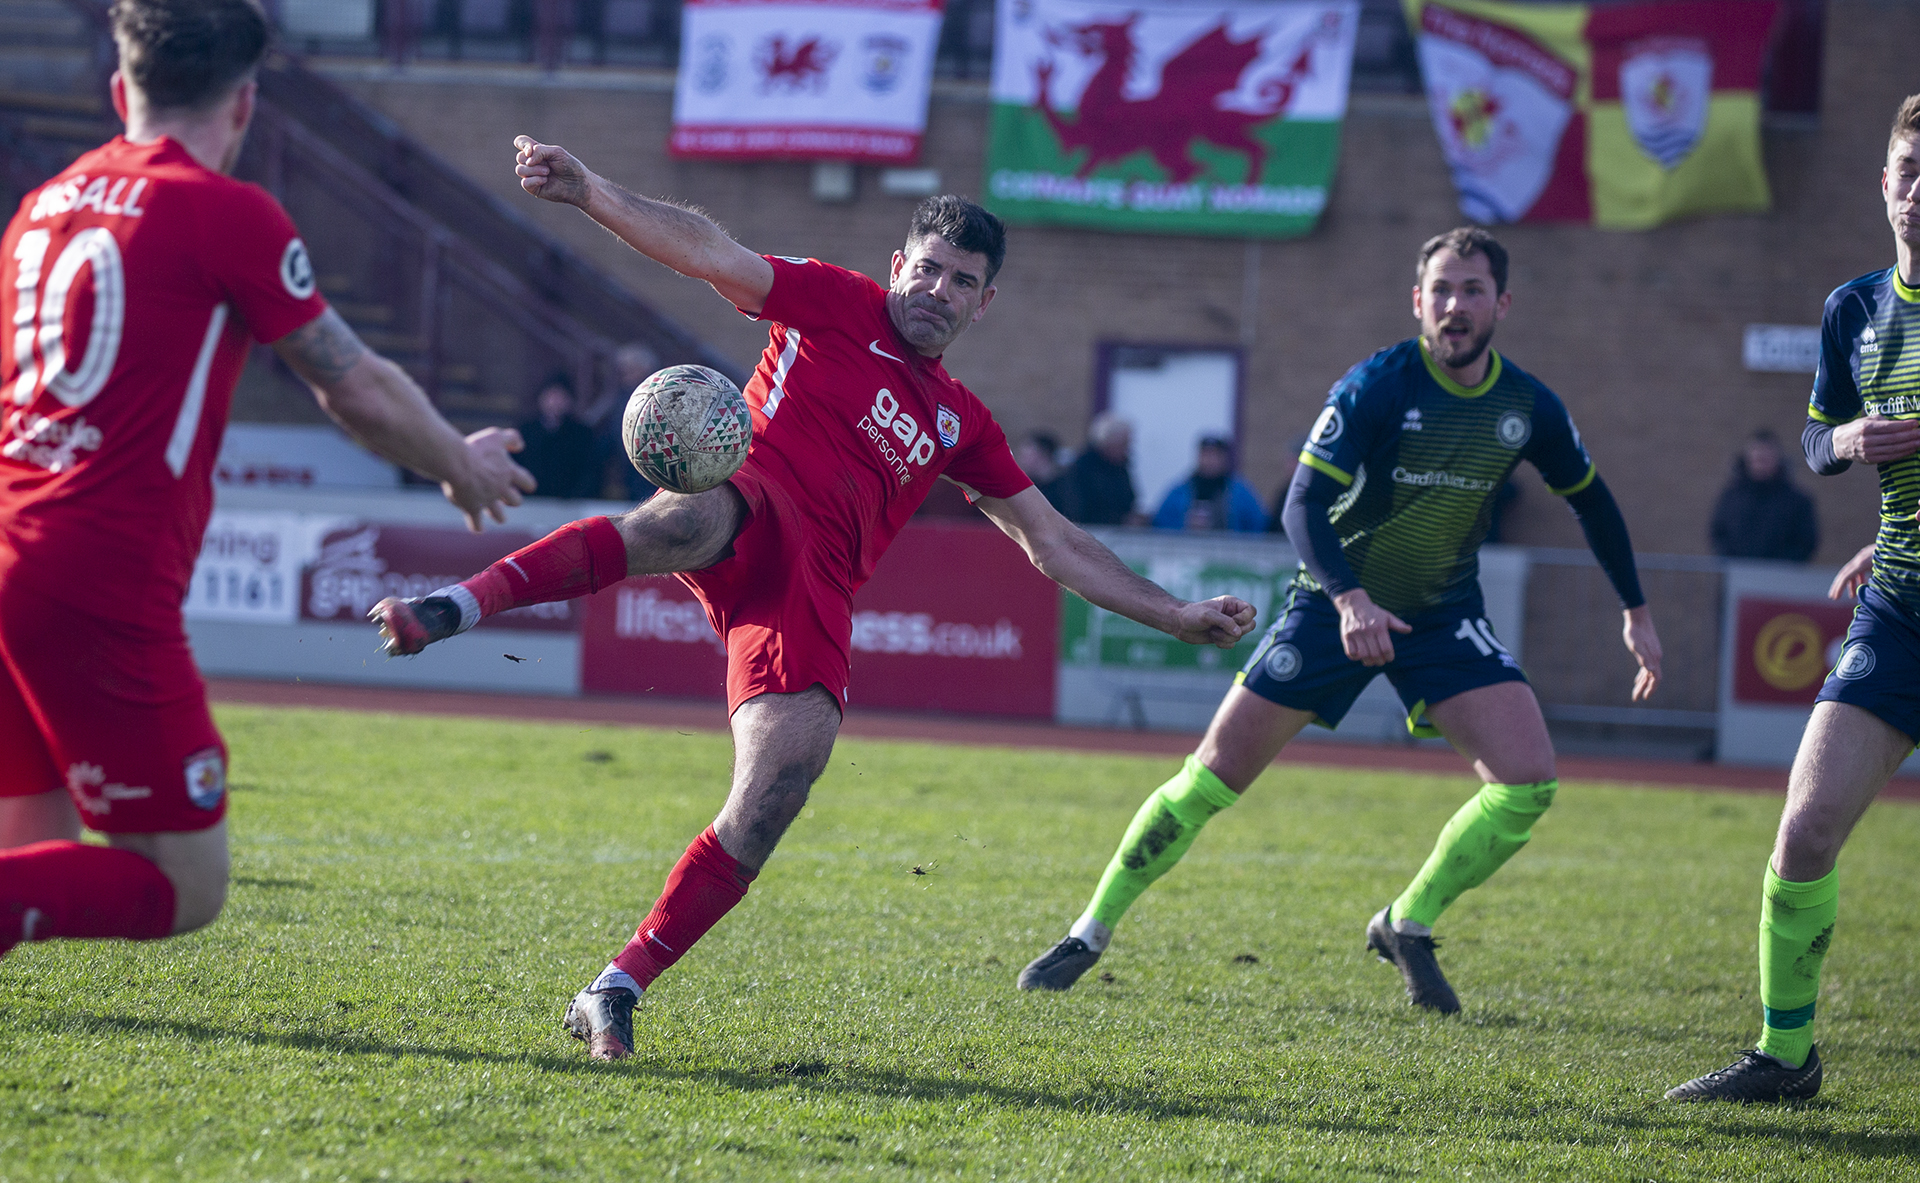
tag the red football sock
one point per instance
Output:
(577, 559)
(72, 890)
(704, 886)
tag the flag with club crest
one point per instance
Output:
(1622, 115)
(804, 79)
(1169, 117)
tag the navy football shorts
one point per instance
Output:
(1300, 663)
(1879, 670)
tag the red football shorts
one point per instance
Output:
(786, 618)
(115, 712)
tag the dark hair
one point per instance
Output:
(1906, 121)
(1764, 435)
(1466, 241)
(188, 54)
(964, 225)
(559, 378)
(1046, 441)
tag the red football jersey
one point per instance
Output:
(130, 285)
(854, 422)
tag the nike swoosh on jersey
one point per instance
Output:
(874, 346)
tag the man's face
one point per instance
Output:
(1117, 445)
(1900, 182)
(936, 291)
(1458, 307)
(1214, 462)
(1763, 460)
(555, 402)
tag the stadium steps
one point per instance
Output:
(451, 283)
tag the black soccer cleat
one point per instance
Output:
(1754, 1077)
(1426, 985)
(408, 626)
(603, 1020)
(1059, 967)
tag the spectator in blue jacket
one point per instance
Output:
(1213, 498)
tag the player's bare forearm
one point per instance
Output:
(380, 406)
(685, 240)
(1079, 562)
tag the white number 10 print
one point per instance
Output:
(41, 316)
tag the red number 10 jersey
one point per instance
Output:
(130, 285)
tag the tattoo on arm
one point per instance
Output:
(322, 350)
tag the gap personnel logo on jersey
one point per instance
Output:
(947, 422)
(886, 417)
(1514, 429)
(1327, 427)
(206, 778)
(1283, 663)
(90, 788)
(1855, 663)
(296, 270)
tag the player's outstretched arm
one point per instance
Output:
(383, 408)
(1077, 561)
(679, 238)
(1644, 644)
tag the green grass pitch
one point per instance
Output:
(415, 899)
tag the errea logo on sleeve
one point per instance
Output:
(296, 270)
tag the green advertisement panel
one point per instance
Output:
(1169, 118)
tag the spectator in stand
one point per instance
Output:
(1288, 463)
(618, 478)
(1214, 497)
(559, 450)
(1101, 479)
(1760, 514)
(1038, 456)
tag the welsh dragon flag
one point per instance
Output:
(1169, 117)
(1622, 115)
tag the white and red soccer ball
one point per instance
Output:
(687, 428)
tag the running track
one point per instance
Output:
(683, 715)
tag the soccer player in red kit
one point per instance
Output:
(854, 417)
(131, 286)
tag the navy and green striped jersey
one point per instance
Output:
(1870, 365)
(1422, 458)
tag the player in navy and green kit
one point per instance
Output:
(1393, 497)
(1866, 409)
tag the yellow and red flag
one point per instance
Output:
(1622, 115)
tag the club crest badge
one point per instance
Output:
(1665, 85)
(1855, 663)
(1283, 663)
(206, 778)
(1514, 429)
(947, 422)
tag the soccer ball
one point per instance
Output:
(687, 428)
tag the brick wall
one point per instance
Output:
(1640, 332)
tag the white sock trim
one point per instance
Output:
(469, 606)
(1092, 932)
(615, 978)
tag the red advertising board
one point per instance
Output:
(1782, 649)
(362, 563)
(955, 619)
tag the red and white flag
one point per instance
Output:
(827, 80)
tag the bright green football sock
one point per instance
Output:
(1486, 832)
(1796, 926)
(1160, 834)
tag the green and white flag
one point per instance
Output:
(1170, 118)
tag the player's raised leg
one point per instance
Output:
(669, 532)
(1846, 757)
(1500, 729)
(1246, 733)
(781, 746)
